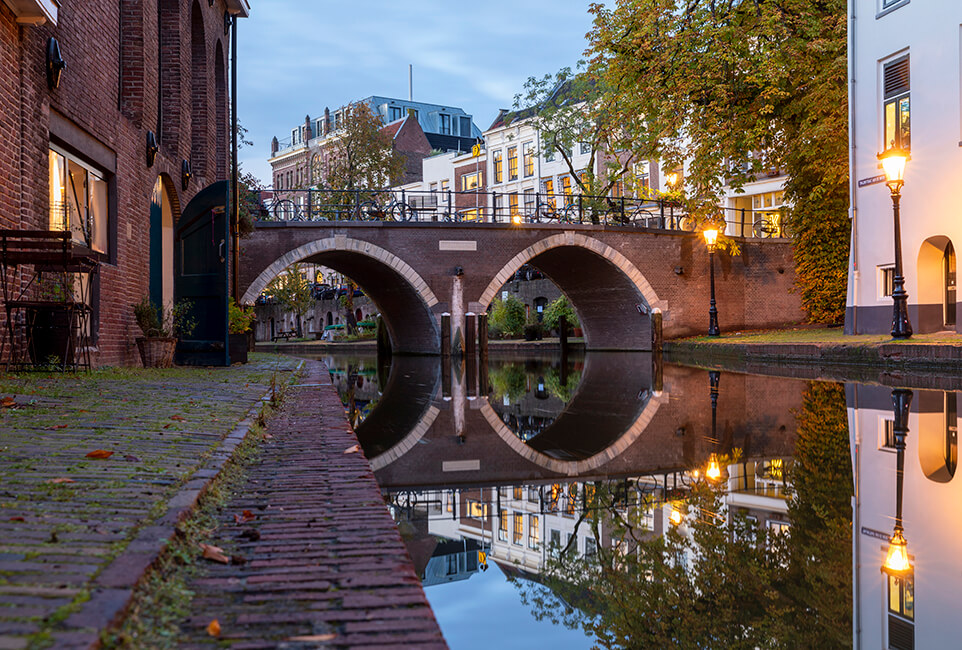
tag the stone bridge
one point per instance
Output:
(614, 276)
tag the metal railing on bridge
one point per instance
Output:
(502, 207)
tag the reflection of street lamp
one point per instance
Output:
(675, 517)
(893, 161)
(897, 560)
(711, 239)
(714, 470)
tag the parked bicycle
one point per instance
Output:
(768, 228)
(385, 207)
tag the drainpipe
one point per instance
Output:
(852, 207)
(234, 190)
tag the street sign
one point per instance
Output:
(476, 150)
(872, 181)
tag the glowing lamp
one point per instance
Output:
(516, 219)
(711, 237)
(672, 179)
(675, 516)
(893, 162)
(714, 469)
(897, 561)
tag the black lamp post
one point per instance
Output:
(714, 471)
(893, 161)
(897, 560)
(711, 237)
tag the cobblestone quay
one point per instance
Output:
(325, 564)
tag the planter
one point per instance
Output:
(51, 333)
(577, 332)
(238, 347)
(157, 351)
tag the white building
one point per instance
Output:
(904, 69)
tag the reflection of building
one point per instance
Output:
(902, 61)
(920, 609)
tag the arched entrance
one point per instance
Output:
(937, 306)
(163, 209)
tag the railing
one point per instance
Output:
(502, 207)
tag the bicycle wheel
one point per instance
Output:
(763, 229)
(642, 218)
(369, 211)
(687, 224)
(402, 212)
(787, 231)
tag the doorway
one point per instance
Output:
(948, 267)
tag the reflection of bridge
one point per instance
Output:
(617, 424)
(614, 276)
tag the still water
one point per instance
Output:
(607, 501)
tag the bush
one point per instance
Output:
(239, 319)
(158, 321)
(557, 309)
(507, 317)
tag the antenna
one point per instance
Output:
(410, 82)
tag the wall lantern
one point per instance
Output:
(152, 148)
(227, 23)
(55, 64)
(185, 174)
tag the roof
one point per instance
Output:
(394, 128)
(450, 142)
(560, 94)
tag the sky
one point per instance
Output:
(296, 57)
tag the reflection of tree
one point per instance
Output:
(348, 380)
(719, 580)
(508, 379)
(563, 391)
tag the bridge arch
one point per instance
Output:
(404, 298)
(612, 298)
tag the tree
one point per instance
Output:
(507, 316)
(732, 88)
(361, 154)
(293, 291)
(561, 306)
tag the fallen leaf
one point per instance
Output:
(59, 426)
(61, 480)
(100, 453)
(244, 517)
(7, 402)
(353, 449)
(130, 458)
(314, 637)
(213, 628)
(167, 426)
(214, 553)
(17, 519)
(179, 418)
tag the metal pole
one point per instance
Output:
(901, 327)
(235, 190)
(712, 309)
(901, 401)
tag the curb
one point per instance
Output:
(112, 590)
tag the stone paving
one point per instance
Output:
(324, 564)
(65, 516)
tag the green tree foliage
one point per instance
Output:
(507, 317)
(361, 154)
(293, 291)
(561, 306)
(734, 88)
(508, 379)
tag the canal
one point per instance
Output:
(609, 500)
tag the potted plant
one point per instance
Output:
(161, 326)
(239, 322)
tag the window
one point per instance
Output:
(886, 281)
(527, 155)
(471, 181)
(394, 113)
(295, 136)
(477, 510)
(529, 201)
(503, 525)
(591, 547)
(452, 564)
(444, 185)
(512, 163)
(895, 79)
(518, 533)
(566, 188)
(498, 170)
(534, 533)
(585, 147)
(78, 200)
(434, 188)
(445, 121)
(549, 191)
(533, 495)
(902, 596)
(513, 209)
(554, 540)
(465, 127)
(518, 493)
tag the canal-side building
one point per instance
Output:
(115, 114)
(904, 69)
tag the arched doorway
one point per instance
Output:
(162, 208)
(936, 285)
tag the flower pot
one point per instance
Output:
(577, 332)
(51, 333)
(238, 347)
(157, 351)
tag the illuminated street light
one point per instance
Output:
(675, 517)
(893, 162)
(897, 560)
(714, 470)
(672, 180)
(711, 238)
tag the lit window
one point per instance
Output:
(902, 596)
(512, 163)
(503, 525)
(78, 200)
(549, 191)
(527, 154)
(534, 534)
(513, 209)
(498, 170)
(566, 188)
(471, 181)
(444, 185)
(897, 104)
(518, 493)
(477, 510)
(517, 536)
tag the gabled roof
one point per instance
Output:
(394, 127)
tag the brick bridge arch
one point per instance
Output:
(404, 298)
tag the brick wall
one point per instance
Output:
(108, 100)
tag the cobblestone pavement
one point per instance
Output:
(325, 565)
(65, 516)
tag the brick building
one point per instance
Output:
(76, 150)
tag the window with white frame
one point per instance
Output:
(896, 104)
(445, 123)
(78, 200)
(886, 281)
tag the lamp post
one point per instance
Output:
(711, 237)
(714, 471)
(897, 560)
(893, 161)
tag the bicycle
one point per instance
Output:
(547, 213)
(770, 228)
(392, 210)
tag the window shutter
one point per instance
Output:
(896, 77)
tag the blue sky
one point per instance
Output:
(297, 57)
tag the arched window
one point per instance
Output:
(199, 115)
(168, 62)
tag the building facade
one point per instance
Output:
(116, 114)
(904, 70)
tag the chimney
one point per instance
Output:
(327, 121)
(308, 131)
(410, 82)
(274, 145)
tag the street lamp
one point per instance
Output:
(897, 560)
(893, 162)
(711, 237)
(714, 470)
(671, 179)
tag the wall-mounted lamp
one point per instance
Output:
(227, 23)
(55, 64)
(152, 148)
(458, 271)
(185, 174)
